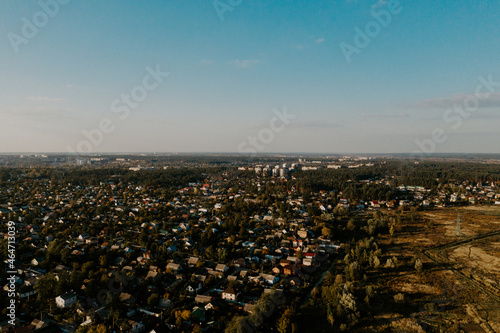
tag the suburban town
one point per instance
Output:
(249, 166)
(147, 244)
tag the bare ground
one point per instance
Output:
(459, 286)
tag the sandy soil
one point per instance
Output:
(459, 300)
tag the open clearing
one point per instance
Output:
(460, 282)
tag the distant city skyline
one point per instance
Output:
(354, 76)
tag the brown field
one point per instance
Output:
(458, 289)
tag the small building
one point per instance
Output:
(203, 299)
(229, 294)
(37, 261)
(277, 270)
(173, 267)
(270, 279)
(193, 288)
(136, 327)
(66, 300)
(288, 269)
(165, 304)
(198, 313)
(192, 261)
(221, 268)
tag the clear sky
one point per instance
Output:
(229, 67)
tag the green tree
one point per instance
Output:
(326, 232)
(45, 287)
(285, 324)
(222, 254)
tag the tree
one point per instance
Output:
(326, 232)
(350, 225)
(197, 329)
(222, 254)
(181, 316)
(419, 266)
(45, 287)
(98, 329)
(399, 298)
(103, 260)
(285, 324)
(390, 263)
(237, 325)
(87, 267)
(153, 299)
(369, 294)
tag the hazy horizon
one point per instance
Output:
(347, 77)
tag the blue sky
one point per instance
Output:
(226, 77)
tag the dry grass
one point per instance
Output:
(449, 296)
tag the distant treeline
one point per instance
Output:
(425, 173)
(396, 173)
(95, 176)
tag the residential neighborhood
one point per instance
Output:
(173, 249)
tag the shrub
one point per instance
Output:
(399, 298)
(419, 266)
(406, 325)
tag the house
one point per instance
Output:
(277, 270)
(83, 236)
(288, 269)
(192, 261)
(307, 262)
(128, 269)
(295, 282)
(215, 273)
(284, 262)
(302, 233)
(91, 240)
(213, 305)
(66, 300)
(270, 279)
(173, 267)
(221, 268)
(165, 304)
(193, 288)
(198, 313)
(37, 261)
(229, 294)
(37, 324)
(152, 275)
(62, 268)
(203, 299)
(239, 262)
(294, 260)
(136, 327)
(127, 298)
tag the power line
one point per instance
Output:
(458, 232)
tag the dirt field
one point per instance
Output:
(458, 289)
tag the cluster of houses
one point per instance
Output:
(134, 225)
(275, 253)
